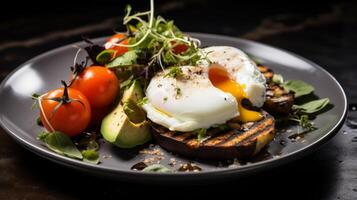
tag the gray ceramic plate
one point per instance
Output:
(45, 71)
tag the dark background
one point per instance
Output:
(325, 33)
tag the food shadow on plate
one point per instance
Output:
(127, 154)
(151, 153)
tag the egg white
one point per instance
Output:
(190, 102)
(197, 104)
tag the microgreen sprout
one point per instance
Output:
(164, 43)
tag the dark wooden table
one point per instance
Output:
(326, 34)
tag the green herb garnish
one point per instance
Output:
(34, 97)
(202, 135)
(105, 56)
(157, 168)
(127, 59)
(303, 112)
(174, 72)
(312, 106)
(303, 121)
(223, 127)
(61, 144)
(90, 156)
(178, 92)
(300, 88)
(38, 121)
(160, 39)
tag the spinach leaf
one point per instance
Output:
(201, 135)
(300, 88)
(90, 156)
(157, 168)
(61, 144)
(312, 106)
(105, 56)
(127, 58)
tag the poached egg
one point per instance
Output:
(208, 94)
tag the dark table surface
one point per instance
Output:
(325, 34)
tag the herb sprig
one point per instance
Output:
(62, 144)
(155, 44)
(202, 135)
(302, 113)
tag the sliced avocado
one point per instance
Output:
(125, 126)
(135, 113)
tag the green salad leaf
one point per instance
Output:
(61, 144)
(312, 106)
(90, 156)
(163, 43)
(128, 58)
(105, 56)
(157, 168)
(300, 88)
(201, 135)
(38, 121)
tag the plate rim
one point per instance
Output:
(117, 172)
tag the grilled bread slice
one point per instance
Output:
(236, 141)
(278, 101)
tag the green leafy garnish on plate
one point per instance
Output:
(202, 135)
(127, 59)
(61, 144)
(312, 106)
(304, 111)
(90, 156)
(105, 56)
(155, 43)
(157, 168)
(303, 121)
(300, 88)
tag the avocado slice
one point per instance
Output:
(125, 126)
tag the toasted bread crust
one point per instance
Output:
(278, 101)
(242, 142)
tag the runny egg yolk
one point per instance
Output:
(220, 79)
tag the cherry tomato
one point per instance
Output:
(180, 48)
(99, 84)
(71, 117)
(114, 40)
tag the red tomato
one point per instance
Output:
(71, 118)
(113, 40)
(180, 48)
(99, 84)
